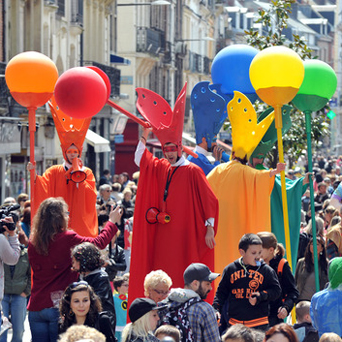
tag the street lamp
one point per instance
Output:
(153, 3)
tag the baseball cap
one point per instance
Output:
(140, 307)
(200, 272)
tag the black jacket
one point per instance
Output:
(117, 261)
(99, 281)
(236, 285)
(289, 291)
(306, 332)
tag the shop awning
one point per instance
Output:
(99, 143)
(115, 59)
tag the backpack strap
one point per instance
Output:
(191, 301)
(281, 266)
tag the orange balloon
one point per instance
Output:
(31, 72)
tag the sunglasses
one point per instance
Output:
(164, 293)
(78, 283)
(170, 149)
(72, 150)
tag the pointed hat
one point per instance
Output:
(70, 131)
(210, 112)
(166, 124)
(246, 131)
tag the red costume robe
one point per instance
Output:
(81, 198)
(171, 247)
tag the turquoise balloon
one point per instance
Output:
(318, 86)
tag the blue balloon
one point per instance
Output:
(230, 69)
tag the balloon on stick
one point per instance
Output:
(318, 87)
(276, 73)
(230, 69)
(81, 92)
(31, 78)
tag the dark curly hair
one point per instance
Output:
(67, 316)
(88, 255)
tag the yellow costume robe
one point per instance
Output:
(244, 207)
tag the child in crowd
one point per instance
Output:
(238, 333)
(120, 303)
(167, 331)
(303, 328)
(273, 255)
(249, 285)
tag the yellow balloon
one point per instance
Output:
(31, 72)
(276, 74)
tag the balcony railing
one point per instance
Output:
(77, 12)
(113, 75)
(150, 40)
(197, 63)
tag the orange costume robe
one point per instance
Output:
(171, 247)
(80, 198)
(244, 206)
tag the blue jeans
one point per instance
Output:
(14, 308)
(44, 325)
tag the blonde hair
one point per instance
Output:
(140, 328)
(330, 337)
(154, 278)
(78, 332)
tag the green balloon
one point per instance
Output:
(310, 103)
(318, 86)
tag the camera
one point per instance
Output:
(6, 212)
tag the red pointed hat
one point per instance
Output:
(166, 124)
(70, 131)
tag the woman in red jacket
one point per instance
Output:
(50, 259)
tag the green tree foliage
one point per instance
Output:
(274, 21)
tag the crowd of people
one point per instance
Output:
(76, 286)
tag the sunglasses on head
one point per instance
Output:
(170, 148)
(78, 283)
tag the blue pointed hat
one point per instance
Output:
(210, 112)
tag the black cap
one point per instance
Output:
(200, 272)
(140, 307)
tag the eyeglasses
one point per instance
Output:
(107, 190)
(67, 213)
(72, 150)
(170, 148)
(78, 283)
(164, 293)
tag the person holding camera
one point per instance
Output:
(9, 250)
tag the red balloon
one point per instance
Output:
(104, 77)
(80, 92)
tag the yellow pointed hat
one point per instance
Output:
(246, 131)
